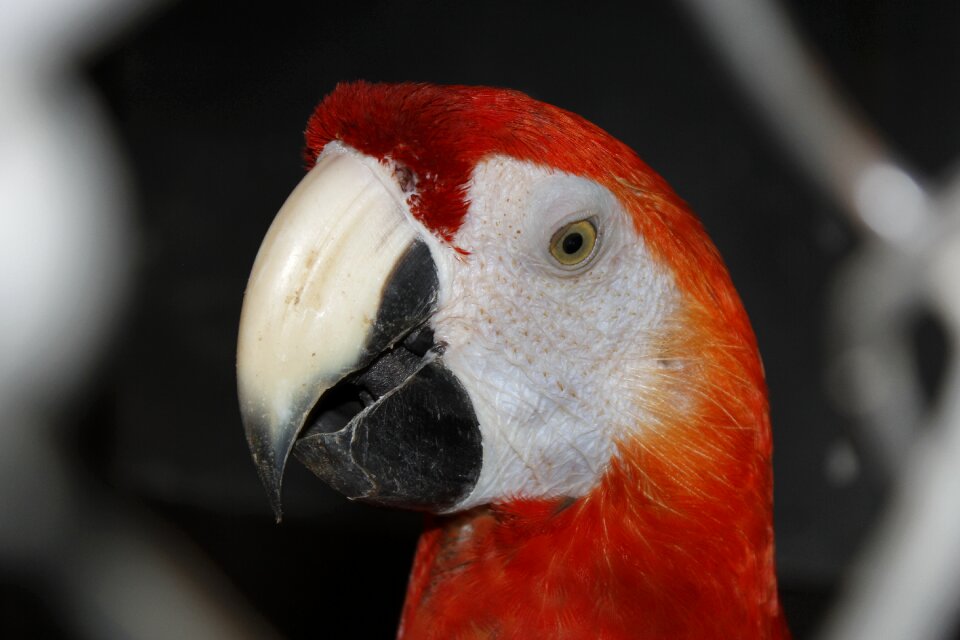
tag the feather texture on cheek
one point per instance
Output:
(554, 358)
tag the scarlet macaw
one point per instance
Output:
(486, 308)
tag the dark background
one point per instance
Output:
(210, 100)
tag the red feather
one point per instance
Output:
(676, 541)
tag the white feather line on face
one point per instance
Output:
(554, 360)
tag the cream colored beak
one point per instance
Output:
(313, 298)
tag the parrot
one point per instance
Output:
(486, 308)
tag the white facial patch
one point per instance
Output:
(551, 356)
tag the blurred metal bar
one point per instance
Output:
(871, 372)
(907, 582)
(837, 149)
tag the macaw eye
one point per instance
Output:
(574, 243)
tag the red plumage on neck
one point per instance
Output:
(676, 540)
(613, 565)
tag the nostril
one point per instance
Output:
(405, 178)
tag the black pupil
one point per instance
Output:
(572, 243)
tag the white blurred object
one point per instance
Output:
(63, 264)
(890, 202)
(65, 261)
(66, 237)
(64, 250)
(906, 584)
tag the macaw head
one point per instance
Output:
(474, 298)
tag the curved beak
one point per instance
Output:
(312, 301)
(335, 357)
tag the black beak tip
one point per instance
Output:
(271, 477)
(272, 484)
(270, 459)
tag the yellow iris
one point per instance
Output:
(574, 243)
